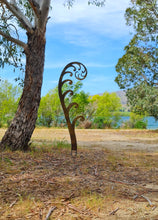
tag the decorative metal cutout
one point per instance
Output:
(80, 72)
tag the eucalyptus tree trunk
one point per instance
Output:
(19, 133)
(32, 17)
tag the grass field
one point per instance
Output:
(114, 176)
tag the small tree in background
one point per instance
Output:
(107, 108)
(50, 110)
(9, 97)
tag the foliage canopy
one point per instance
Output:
(140, 61)
(138, 67)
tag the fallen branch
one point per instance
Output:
(50, 212)
(120, 182)
(150, 203)
(136, 196)
(114, 211)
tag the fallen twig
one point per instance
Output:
(136, 196)
(154, 208)
(114, 211)
(13, 203)
(68, 197)
(74, 208)
(120, 182)
(50, 212)
(150, 203)
(95, 171)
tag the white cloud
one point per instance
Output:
(108, 20)
(83, 38)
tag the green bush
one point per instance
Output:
(135, 121)
(111, 121)
(141, 125)
(99, 122)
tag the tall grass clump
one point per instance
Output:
(61, 144)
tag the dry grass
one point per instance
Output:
(89, 186)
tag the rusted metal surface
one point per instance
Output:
(80, 72)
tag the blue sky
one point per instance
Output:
(94, 36)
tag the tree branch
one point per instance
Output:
(14, 40)
(12, 7)
(35, 6)
(44, 13)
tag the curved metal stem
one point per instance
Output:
(75, 119)
(80, 72)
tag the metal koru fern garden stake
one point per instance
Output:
(80, 72)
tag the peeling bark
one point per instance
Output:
(20, 131)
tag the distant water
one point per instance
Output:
(152, 123)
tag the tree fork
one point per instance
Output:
(19, 133)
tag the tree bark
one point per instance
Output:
(19, 133)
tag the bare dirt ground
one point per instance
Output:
(115, 140)
(114, 176)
